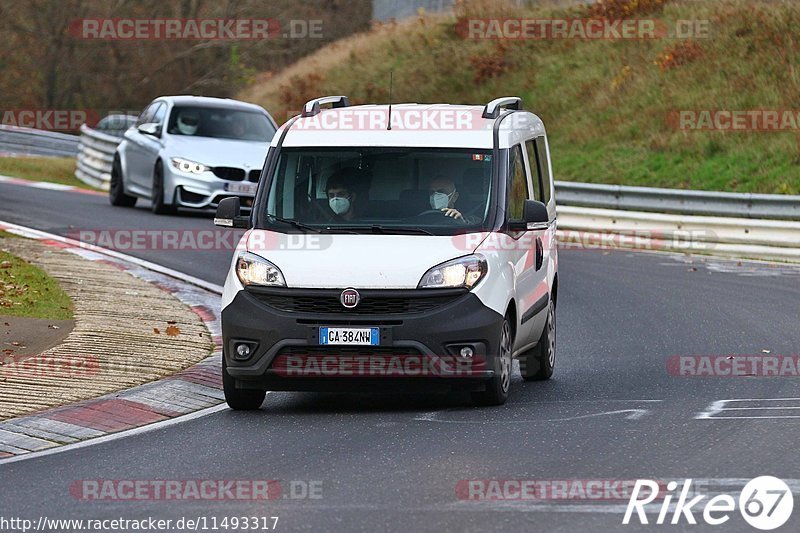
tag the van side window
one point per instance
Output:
(518, 184)
(536, 170)
(544, 163)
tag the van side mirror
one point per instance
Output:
(534, 217)
(229, 214)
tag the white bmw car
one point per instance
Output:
(191, 152)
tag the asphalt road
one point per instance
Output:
(68, 214)
(394, 462)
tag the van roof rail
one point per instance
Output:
(312, 106)
(492, 109)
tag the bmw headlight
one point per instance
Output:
(190, 167)
(462, 272)
(254, 270)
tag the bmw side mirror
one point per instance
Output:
(534, 217)
(150, 128)
(229, 214)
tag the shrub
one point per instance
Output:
(620, 9)
(680, 54)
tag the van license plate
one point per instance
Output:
(350, 336)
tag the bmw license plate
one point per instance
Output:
(241, 188)
(350, 336)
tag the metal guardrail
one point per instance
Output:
(678, 201)
(95, 157)
(585, 228)
(27, 141)
(95, 151)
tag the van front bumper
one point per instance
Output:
(421, 335)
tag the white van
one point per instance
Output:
(410, 246)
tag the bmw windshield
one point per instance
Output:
(220, 123)
(380, 190)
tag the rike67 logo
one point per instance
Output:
(765, 503)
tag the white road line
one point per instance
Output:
(114, 436)
(594, 402)
(761, 400)
(715, 408)
(756, 408)
(771, 417)
(635, 414)
(433, 416)
(51, 186)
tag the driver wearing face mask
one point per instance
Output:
(341, 198)
(443, 196)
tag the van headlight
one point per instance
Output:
(190, 167)
(254, 270)
(462, 272)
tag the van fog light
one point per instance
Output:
(242, 351)
(466, 351)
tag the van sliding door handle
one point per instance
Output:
(539, 253)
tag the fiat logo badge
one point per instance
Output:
(350, 298)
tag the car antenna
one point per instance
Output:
(389, 125)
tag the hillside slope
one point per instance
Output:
(607, 103)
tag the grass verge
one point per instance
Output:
(607, 104)
(51, 169)
(26, 290)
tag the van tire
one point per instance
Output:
(538, 363)
(496, 392)
(240, 399)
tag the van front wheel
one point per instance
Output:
(538, 363)
(240, 399)
(496, 392)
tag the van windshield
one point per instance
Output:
(432, 191)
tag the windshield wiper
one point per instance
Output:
(376, 228)
(296, 224)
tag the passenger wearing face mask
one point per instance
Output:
(443, 197)
(341, 198)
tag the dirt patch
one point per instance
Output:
(23, 337)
